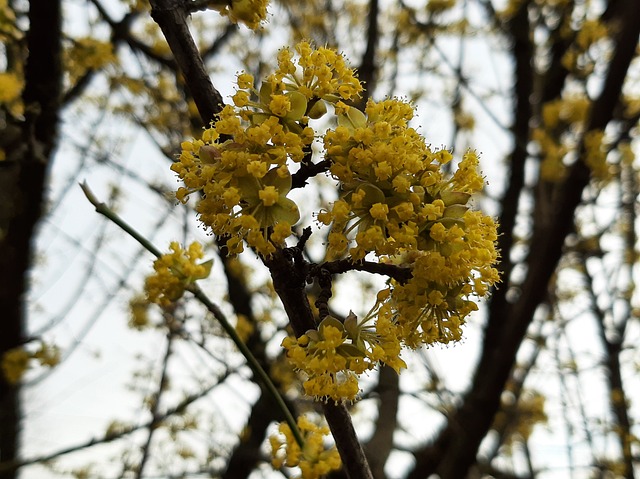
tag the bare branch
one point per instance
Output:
(171, 16)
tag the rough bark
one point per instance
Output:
(23, 177)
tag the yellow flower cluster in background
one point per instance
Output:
(315, 460)
(10, 87)
(569, 116)
(17, 361)
(174, 272)
(517, 421)
(250, 12)
(86, 54)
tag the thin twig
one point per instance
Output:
(213, 308)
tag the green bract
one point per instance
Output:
(283, 209)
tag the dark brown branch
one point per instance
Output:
(612, 346)
(171, 16)
(308, 170)
(353, 459)
(401, 274)
(522, 50)
(22, 182)
(379, 446)
(289, 280)
(78, 88)
(367, 69)
(455, 449)
(289, 272)
(156, 417)
(121, 32)
(326, 291)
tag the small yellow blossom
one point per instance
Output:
(241, 98)
(15, 363)
(10, 87)
(139, 312)
(268, 195)
(85, 54)
(314, 460)
(174, 272)
(47, 355)
(245, 81)
(249, 12)
(379, 211)
(279, 105)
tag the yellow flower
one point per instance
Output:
(379, 211)
(174, 272)
(245, 81)
(87, 54)
(139, 317)
(241, 98)
(265, 199)
(249, 12)
(314, 460)
(15, 363)
(279, 105)
(10, 87)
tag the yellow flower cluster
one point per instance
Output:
(139, 312)
(520, 419)
(249, 12)
(15, 362)
(314, 460)
(581, 57)
(174, 272)
(563, 123)
(10, 87)
(400, 206)
(333, 355)
(397, 205)
(87, 54)
(241, 164)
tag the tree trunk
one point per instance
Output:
(23, 178)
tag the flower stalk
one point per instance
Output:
(213, 308)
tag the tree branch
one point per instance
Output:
(456, 447)
(289, 271)
(171, 16)
(22, 179)
(399, 273)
